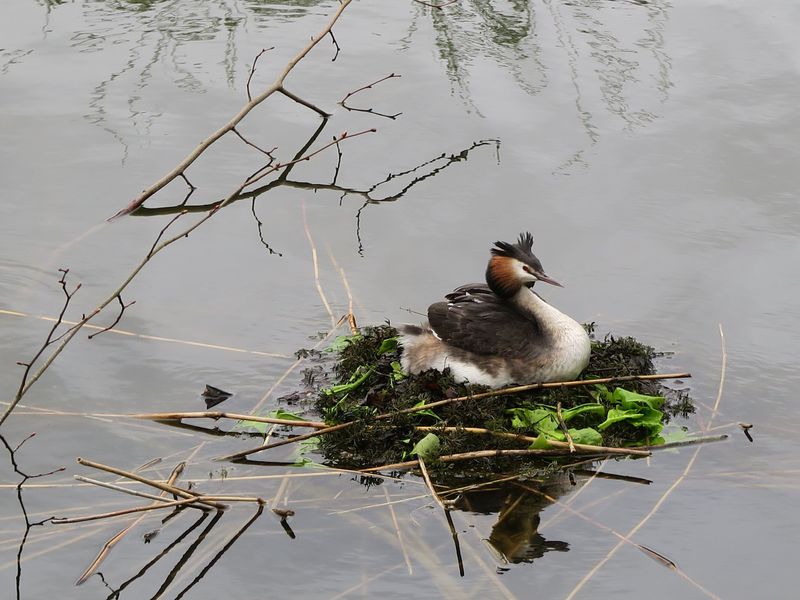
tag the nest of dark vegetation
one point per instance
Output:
(369, 382)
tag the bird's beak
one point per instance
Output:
(546, 279)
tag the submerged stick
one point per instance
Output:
(447, 515)
(500, 392)
(156, 484)
(177, 416)
(691, 442)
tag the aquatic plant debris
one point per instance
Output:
(369, 382)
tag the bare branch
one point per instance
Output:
(123, 306)
(164, 230)
(252, 145)
(25, 383)
(276, 86)
(253, 70)
(343, 101)
(305, 103)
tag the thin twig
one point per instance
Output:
(253, 70)
(252, 145)
(123, 306)
(164, 229)
(335, 43)
(26, 383)
(564, 427)
(343, 101)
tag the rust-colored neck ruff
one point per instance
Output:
(502, 277)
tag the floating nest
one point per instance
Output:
(371, 391)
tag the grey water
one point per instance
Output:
(650, 146)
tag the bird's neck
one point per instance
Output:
(549, 318)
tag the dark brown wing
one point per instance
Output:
(475, 319)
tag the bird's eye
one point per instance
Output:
(526, 268)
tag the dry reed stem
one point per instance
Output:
(315, 263)
(117, 537)
(410, 464)
(363, 582)
(397, 531)
(502, 391)
(154, 338)
(692, 442)
(667, 493)
(380, 504)
(118, 488)
(123, 512)
(176, 416)
(156, 484)
(564, 427)
(351, 317)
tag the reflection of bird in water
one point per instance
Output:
(515, 534)
(502, 332)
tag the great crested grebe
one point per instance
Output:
(500, 333)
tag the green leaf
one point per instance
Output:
(279, 413)
(426, 411)
(538, 419)
(587, 435)
(397, 371)
(593, 407)
(541, 443)
(427, 448)
(625, 397)
(616, 415)
(342, 341)
(388, 345)
(359, 377)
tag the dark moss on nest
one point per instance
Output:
(367, 371)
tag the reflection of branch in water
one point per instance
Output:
(187, 555)
(369, 86)
(260, 224)
(12, 454)
(159, 556)
(423, 171)
(448, 160)
(222, 551)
